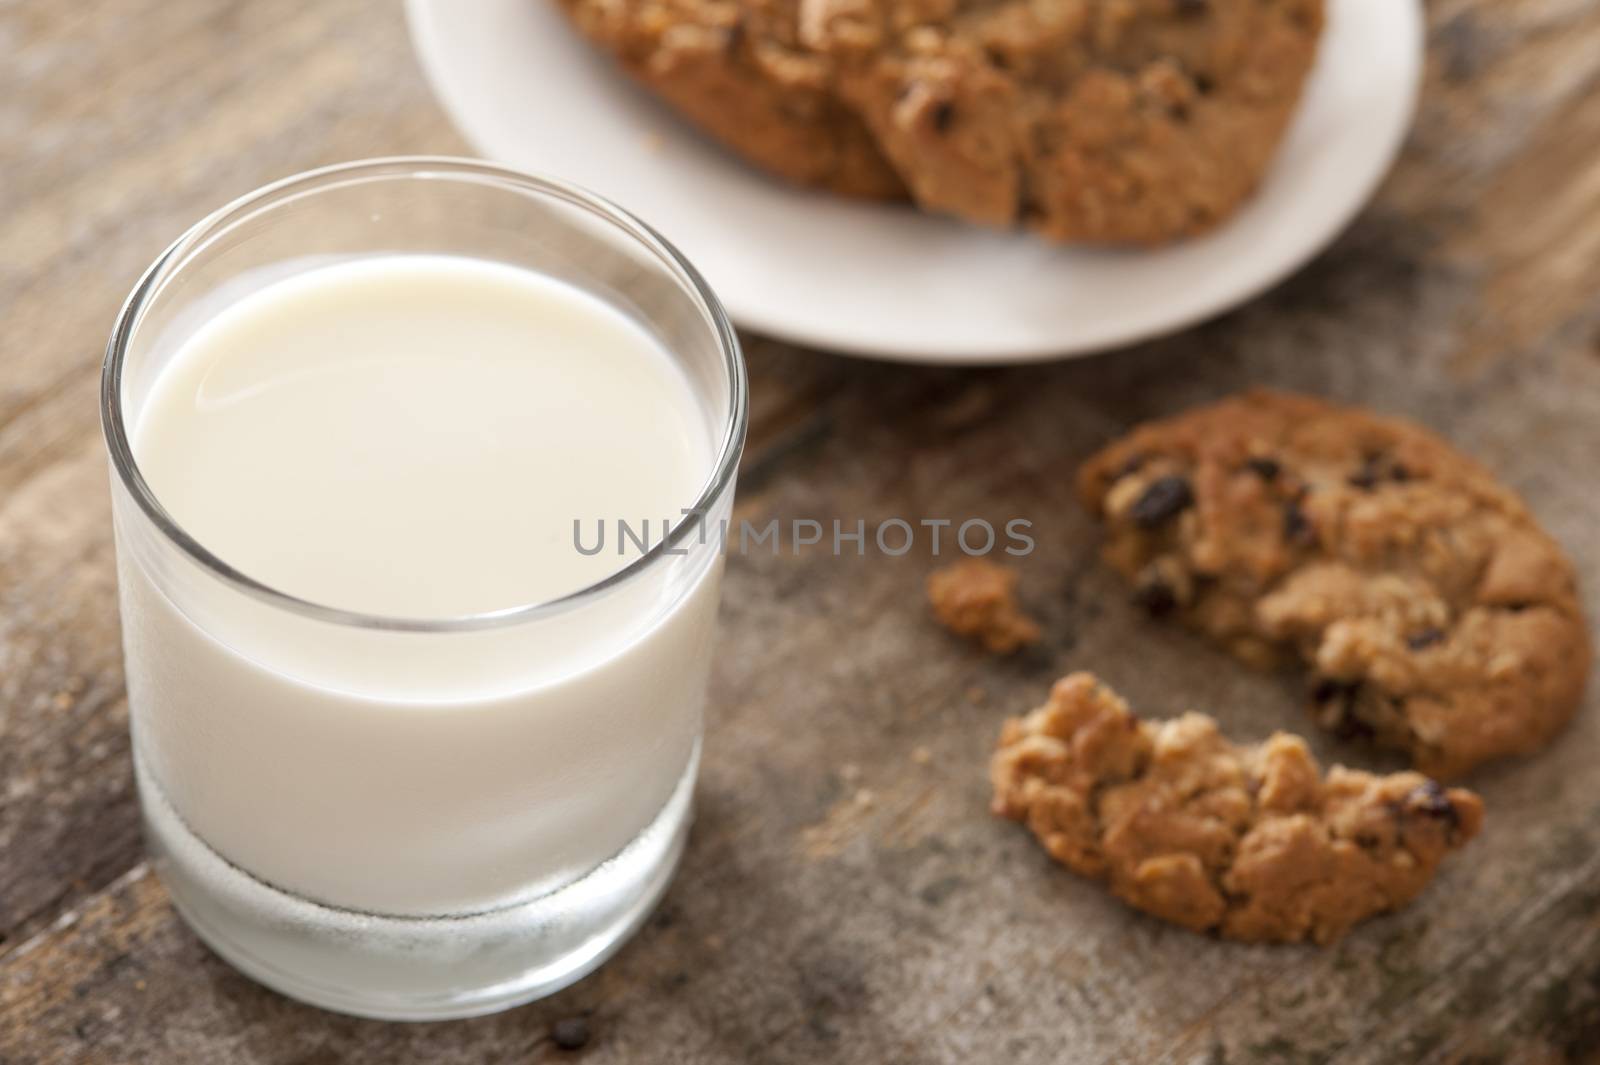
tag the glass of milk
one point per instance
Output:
(418, 472)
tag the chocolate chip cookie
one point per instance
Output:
(1251, 842)
(737, 70)
(1106, 121)
(1435, 615)
(1096, 120)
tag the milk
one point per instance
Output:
(413, 437)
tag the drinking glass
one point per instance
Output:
(416, 818)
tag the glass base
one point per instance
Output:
(414, 968)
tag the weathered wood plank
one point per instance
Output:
(846, 896)
(66, 826)
(122, 123)
(840, 897)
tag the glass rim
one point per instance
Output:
(424, 167)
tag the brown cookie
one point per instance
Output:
(1098, 120)
(1251, 842)
(977, 599)
(738, 71)
(1435, 614)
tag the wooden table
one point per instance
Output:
(846, 897)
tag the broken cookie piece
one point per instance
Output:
(1434, 613)
(977, 599)
(1252, 842)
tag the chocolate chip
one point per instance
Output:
(1297, 528)
(1192, 7)
(1431, 800)
(1155, 596)
(1203, 84)
(734, 37)
(1350, 727)
(1327, 689)
(1263, 467)
(1375, 469)
(1163, 500)
(1336, 701)
(1424, 638)
(944, 113)
(570, 1033)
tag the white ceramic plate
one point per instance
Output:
(888, 281)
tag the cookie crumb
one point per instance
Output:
(921, 755)
(570, 1033)
(976, 599)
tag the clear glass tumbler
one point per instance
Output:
(272, 734)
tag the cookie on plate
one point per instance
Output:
(737, 70)
(1251, 842)
(1434, 613)
(1110, 121)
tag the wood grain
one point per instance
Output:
(846, 896)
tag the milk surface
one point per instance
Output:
(413, 437)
